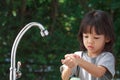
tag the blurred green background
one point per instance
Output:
(40, 56)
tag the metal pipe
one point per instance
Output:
(17, 40)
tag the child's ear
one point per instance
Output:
(107, 40)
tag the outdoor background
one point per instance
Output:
(40, 57)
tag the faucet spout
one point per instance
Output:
(43, 32)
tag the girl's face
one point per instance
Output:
(94, 43)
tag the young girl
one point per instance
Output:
(95, 61)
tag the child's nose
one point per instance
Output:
(90, 40)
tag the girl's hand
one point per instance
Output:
(71, 60)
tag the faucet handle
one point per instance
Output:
(18, 72)
(18, 65)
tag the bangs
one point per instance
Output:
(93, 23)
(89, 29)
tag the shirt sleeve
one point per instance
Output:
(107, 60)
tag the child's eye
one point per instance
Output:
(96, 37)
(85, 36)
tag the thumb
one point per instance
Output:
(76, 56)
(62, 61)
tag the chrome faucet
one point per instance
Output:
(13, 72)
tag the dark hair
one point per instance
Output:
(102, 23)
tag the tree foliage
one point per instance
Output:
(41, 57)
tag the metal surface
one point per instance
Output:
(13, 72)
